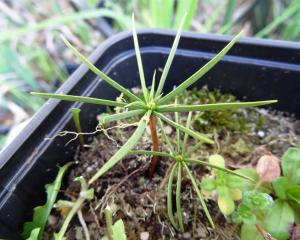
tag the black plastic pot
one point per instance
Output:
(253, 70)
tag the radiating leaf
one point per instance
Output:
(212, 106)
(101, 74)
(123, 151)
(169, 196)
(73, 98)
(197, 75)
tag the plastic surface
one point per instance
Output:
(253, 70)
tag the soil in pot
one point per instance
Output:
(242, 137)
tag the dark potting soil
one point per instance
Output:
(241, 136)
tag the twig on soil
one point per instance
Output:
(83, 224)
(114, 188)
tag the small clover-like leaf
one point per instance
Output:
(225, 202)
(217, 160)
(244, 214)
(208, 184)
(257, 200)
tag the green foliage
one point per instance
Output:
(279, 219)
(276, 218)
(254, 204)
(228, 186)
(85, 194)
(154, 104)
(115, 231)
(290, 165)
(35, 228)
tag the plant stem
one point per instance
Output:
(75, 208)
(155, 144)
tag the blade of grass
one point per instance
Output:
(187, 7)
(73, 98)
(195, 186)
(188, 124)
(203, 163)
(209, 23)
(178, 197)
(101, 74)
(170, 58)
(229, 11)
(212, 107)
(119, 116)
(139, 60)
(288, 12)
(192, 79)
(122, 20)
(123, 151)
(195, 135)
(169, 197)
(165, 136)
(149, 153)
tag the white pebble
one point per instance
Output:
(144, 235)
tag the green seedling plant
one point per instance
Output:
(86, 193)
(34, 230)
(182, 161)
(251, 213)
(261, 215)
(227, 188)
(76, 119)
(154, 103)
(285, 211)
(115, 231)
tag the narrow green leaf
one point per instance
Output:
(73, 98)
(288, 12)
(188, 8)
(194, 148)
(197, 75)
(41, 213)
(123, 151)
(203, 163)
(195, 135)
(101, 74)
(170, 58)
(149, 153)
(165, 136)
(153, 85)
(212, 107)
(169, 196)
(188, 124)
(119, 116)
(177, 129)
(76, 119)
(195, 186)
(229, 11)
(139, 60)
(178, 198)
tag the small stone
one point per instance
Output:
(168, 129)
(261, 134)
(145, 235)
(187, 235)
